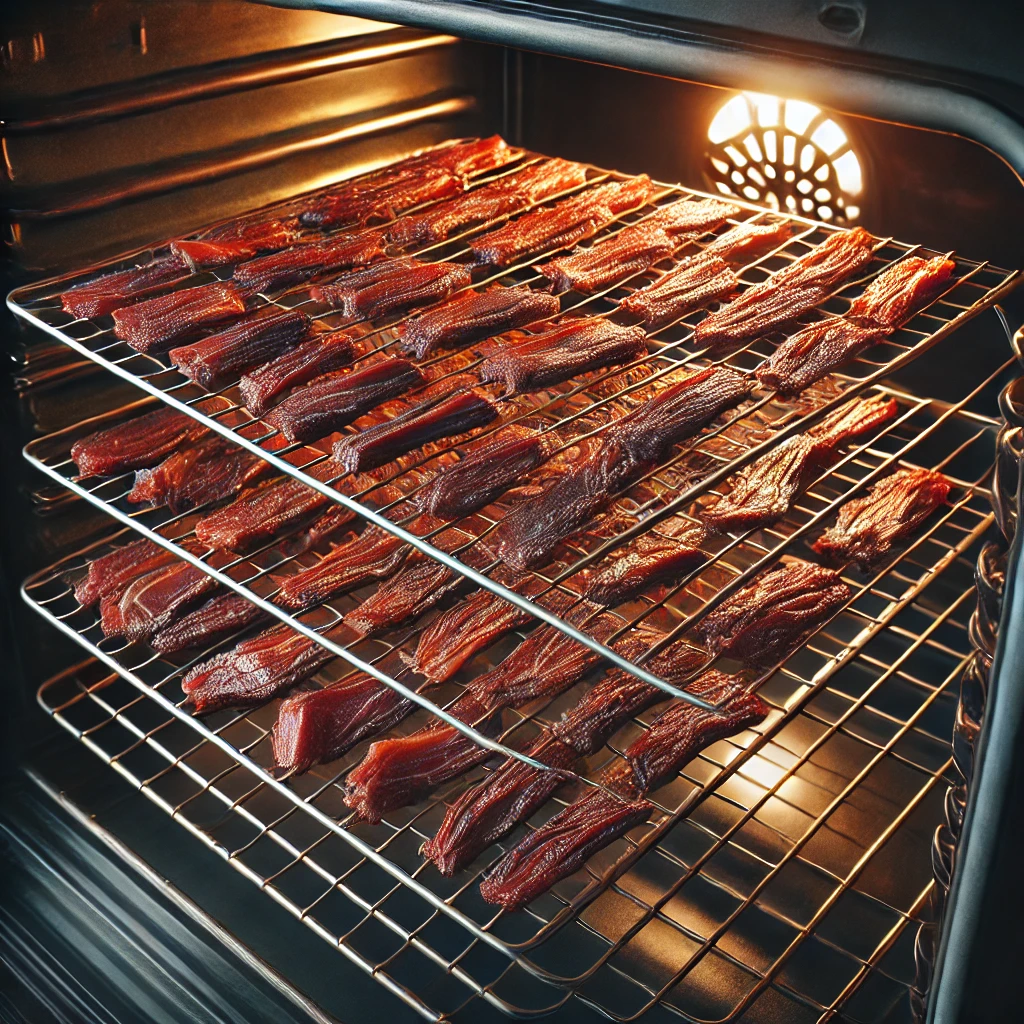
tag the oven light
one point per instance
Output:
(784, 153)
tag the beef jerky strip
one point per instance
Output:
(473, 316)
(136, 443)
(248, 241)
(491, 809)
(486, 472)
(320, 355)
(566, 841)
(436, 418)
(212, 469)
(310, 259)
(610, 462)
(569, 348)
(563, 224)
(763, 491)
(111, 291)
(689, 286)
(219, 358)
(111, 573)
(747, 240)
(221, 617)
(155, 324)
(336, 399)
(497, 199)
(901, 291)
(771, 616)
(866, 528)
(686, 215)
(254, 671)
(392, 286)
(789, 292)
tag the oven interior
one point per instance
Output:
(201, 111)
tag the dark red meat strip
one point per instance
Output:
(153, 601)
(254, 671)
(219, 618)
(472, 316)
(112, 572)
(688, 286)
(155, 324)
(319, 355)
(220, 358)
(569, 348)
(310, 259)
(111, 291)
(866, 528)
(134, 444)
(771, 616)
(335, 400)
(392, 286)
(249, 240)
(900, 291)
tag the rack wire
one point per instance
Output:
(526, 971)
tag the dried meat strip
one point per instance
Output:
(153, 325)
(565, 350)
(790, 292)
(901, 291)
(473, 316)
(111, 291)
(219, 358)
(320, 355)
(111, 573)
(563, 224)
(764, 491)
(392, 286)
(336, 399)
(772, 615)
(408, 595)
(254, 671)
(866, 528)
(307, 260)
(496, 199)
(746, 240)
(221, 617)
(213, 469)
(486, 472)
(219, 250)
(151, 602)
(436, 418)
(689, 286)
(610, 462)
(687, 215)
(136, 443)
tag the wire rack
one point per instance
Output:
(622, 920)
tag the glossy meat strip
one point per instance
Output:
(219, 358)
(134, 444)
(815, 350)
(763, 491)
(153, 325)
(687, 215)
(629, 252)
(212, 469)
(392, 286)
(111, 291)
(444, 416)
(900, 291)
(111, 573)
(689, 286)
(250, 240)
(789, 292)
(651, 559)
(336, 399)
(866, 528)
(613, 460)
(320, 355)
(254, 671)
(219, 618)
(748, 240)
(503, 196)
(310, 259)
(772, 615)
(321, 725)
(563, 224)
(463, 487)
(571, 347)
(472, 316)
(153, 601)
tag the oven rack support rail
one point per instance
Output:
(30, 304)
